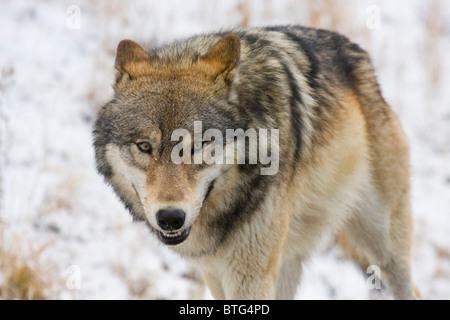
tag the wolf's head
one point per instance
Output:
(150, 125)
(155, 95)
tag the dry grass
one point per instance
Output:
(20, 281)
(139, 287)
(22, 275)
(243, 9)
(334, 15)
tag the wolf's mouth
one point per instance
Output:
(173, 238)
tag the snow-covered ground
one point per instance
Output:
(56, 70)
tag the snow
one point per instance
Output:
(56, 71)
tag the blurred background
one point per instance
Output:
(63, 233)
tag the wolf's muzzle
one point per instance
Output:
(171, 220)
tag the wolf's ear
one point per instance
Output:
(131, 61)
(223, 57)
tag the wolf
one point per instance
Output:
(343, 168)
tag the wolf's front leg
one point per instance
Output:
(214, 285)
(289, 278)
(249, 287)
(251, 278)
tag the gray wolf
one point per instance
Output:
(343, 157)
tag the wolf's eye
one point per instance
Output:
(198, 145)
(144, 147)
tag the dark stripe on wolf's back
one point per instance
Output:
(332, 56)
(340, 56)
(329, 53)
(319, 90)
(257, 100)
(305, 47)
(257, 43)
(296, 116)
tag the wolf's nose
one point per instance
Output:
(170, 219)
